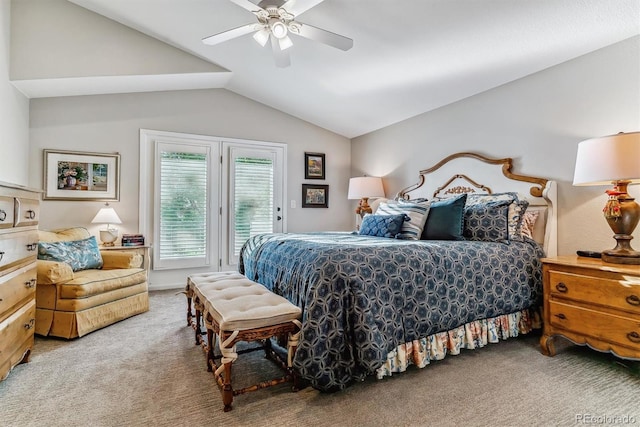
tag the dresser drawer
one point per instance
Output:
(27, 212)
(624, 331)
(15, 331)
(6, 212)
(16, 287)
(18, 247)
(622, 293)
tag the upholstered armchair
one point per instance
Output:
(81, 289)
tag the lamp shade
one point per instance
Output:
(106, 216)
(365, 186)
(600, 161)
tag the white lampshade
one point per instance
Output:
(600, 161)
(106, 216)
(365, 186)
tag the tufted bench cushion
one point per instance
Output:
(237, 303)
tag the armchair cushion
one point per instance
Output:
(52, 272)
(80, 254)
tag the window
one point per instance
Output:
(201, 183)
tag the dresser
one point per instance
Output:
(592, 302)
(19, 214)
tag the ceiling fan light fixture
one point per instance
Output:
(261, 36)
(285, 42)
(278, 28)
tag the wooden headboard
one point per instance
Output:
(475, 173)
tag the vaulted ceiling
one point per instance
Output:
(408, 57)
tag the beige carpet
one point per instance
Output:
(146, 371)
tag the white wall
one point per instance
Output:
(14, 113)
(111, 123)
(538, 121)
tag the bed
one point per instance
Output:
(376, 305)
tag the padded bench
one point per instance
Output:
(234, 308)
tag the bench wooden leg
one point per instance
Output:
(211, 342)
(227, 390)
(189, 313)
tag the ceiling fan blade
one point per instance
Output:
(230, 34)
(296, 7)
(246, 4)
(324, 36)
(281, 56)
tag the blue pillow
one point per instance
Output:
(382, 225)
(446, 219)
(487, 222)
(79, 254)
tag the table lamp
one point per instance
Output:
(108, 216)
(614, 159)
(363, 188)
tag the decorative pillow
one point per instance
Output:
(79, 254)
(528, 223)
(487, 222)
(417, 213)
(517, 207)
(446, 219)
(382, 225)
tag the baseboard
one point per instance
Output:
(166, 286)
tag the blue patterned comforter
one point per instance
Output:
(362, 296)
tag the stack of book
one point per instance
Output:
(132, 240)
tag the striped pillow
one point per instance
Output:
(417, 213)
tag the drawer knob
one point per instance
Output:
(3, 215)
(633, 300)
(561, 316)
(634, 337)
(30, 214)
(561, 287)
(30, 324)
(30, 283)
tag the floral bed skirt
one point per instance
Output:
(470, 336)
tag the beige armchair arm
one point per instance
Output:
(120, 259)
(52, 272)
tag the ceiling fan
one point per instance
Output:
(275, 23)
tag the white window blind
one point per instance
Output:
(183, 205)
(253, 198)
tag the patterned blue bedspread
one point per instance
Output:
(362, 296)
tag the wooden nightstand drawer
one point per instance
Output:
(622, 293)
(619, 330)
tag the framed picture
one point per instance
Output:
(76, 175)
(314, 166)
(315, 196)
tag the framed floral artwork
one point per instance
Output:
(315, 196)
(77, 175)
(314, 166)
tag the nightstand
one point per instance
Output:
(592, 303)
(142, 250)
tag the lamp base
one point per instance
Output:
(623, 253)
(622, 214)
(108, 237)
(363, 207)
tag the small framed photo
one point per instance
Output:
(76, 175)
(315, 196)
(314, 166)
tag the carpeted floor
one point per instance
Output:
(147, 371)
